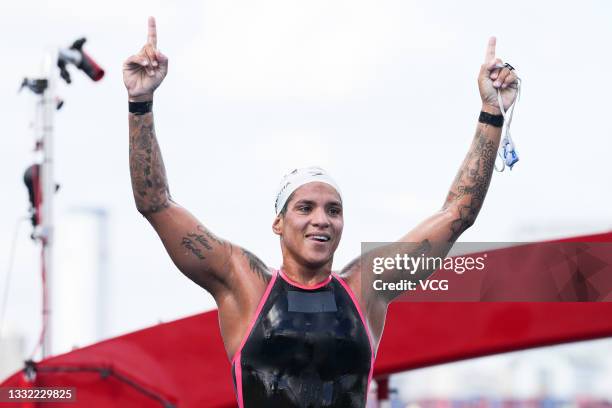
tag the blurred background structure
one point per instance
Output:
(382, 94)
(577, 375)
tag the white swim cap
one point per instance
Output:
(298, 178)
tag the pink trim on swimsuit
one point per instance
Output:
(299, 285)
(262, 301)
(236, 359)
(365, 325)
(238, 373)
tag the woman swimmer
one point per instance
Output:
(301, 336)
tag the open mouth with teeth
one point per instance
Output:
(319, 237)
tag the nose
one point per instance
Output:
(320, 218)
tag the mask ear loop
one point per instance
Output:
(506, 150)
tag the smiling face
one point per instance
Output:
(311, 228)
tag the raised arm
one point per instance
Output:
(435, 235)
(196, 252)
(467, 193)
(213, 263)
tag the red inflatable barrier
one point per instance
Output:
(183, 363)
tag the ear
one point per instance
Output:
(277, 225)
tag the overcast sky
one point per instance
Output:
(381, 93)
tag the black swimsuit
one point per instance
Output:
(306, 347)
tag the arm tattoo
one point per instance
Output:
(191, 246)
(257, 266)
(472, 182)
(423, 271)
(423, 248)
(201, 237)
(210, 235)
(149, 183)
(415, 250)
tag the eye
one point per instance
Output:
(304, 208)
(335, 211)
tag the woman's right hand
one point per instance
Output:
(145, 71)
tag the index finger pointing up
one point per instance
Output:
(490, 54)
(152, 33)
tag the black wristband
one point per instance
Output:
(140, 108)
(493, 120)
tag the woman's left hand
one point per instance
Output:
(495, 76)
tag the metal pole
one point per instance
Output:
(45, 181)
(47, 107)
(383, 392)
